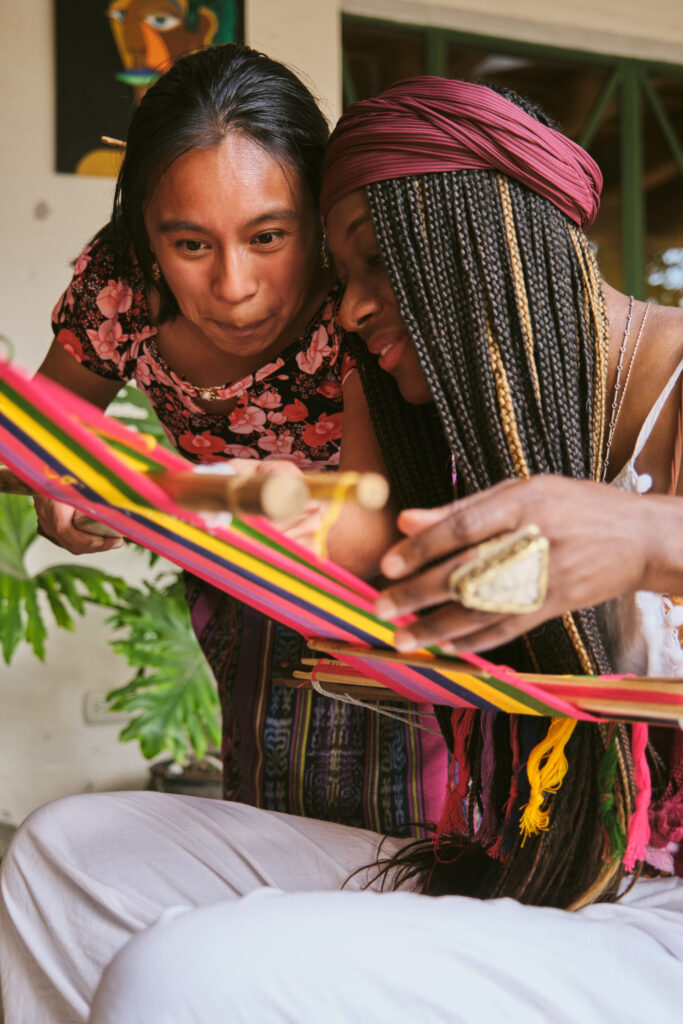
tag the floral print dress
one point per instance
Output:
(284, 749)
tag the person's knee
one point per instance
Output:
(155, 976)
(206, 964)
(55, 832)
(39, 831)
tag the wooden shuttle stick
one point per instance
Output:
(608, 698)
(640, 683)
(275, 495)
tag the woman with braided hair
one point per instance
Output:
(455, 218)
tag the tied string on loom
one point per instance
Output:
(70, 451)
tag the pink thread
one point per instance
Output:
(639, 825)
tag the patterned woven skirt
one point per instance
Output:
(294, 750)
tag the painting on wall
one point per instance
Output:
(109, 53)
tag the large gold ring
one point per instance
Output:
(508, 574)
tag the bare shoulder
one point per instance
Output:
(661, 347)
(652, 358)
(666, 327)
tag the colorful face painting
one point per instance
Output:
(102, 45)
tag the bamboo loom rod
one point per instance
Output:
(640, 683)
(275, 495)
(605, 706)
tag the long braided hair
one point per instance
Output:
(501, 295)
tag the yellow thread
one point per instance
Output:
(587, 663)
(342, 487)
(546, 778)
(598, 314)
(506, 409)
(518, 280)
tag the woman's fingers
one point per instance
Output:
(422, 591)
(304, 526)
(56, 521)
(496, 632)
(451, 623)
(452, 528)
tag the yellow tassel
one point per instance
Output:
(547, 777)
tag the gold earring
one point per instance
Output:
(156, 270)
(324, 257)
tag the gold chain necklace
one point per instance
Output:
(211, 391)
(617, 399)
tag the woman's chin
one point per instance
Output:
(414, 389)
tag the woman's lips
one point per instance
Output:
(241, 332)
(389, 353)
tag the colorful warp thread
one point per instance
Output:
(69, 451)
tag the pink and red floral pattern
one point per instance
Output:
(290, 408)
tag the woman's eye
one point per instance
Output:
(191, 245)
(268, 237)
(375, 261)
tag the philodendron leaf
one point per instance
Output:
(144, 419)
(18, 530)
(67, 588)
(11, 624)
(173, 695)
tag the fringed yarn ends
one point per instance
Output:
(488, 826)
(506, 833)
(452, 821)
(639, 824)
(615, 840)
(546, 768)
(666, 817)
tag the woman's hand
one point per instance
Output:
(70, 529)
(603, 542)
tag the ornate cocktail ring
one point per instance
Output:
(508, 574)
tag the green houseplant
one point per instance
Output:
(171, 698)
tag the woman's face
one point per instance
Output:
(368, 306)
(236, 237)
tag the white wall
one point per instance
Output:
(46, 750)
(306, 35)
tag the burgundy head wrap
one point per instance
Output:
(424, 125)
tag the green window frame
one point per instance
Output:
(628, 78)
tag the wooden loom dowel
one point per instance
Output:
(369, 490)
(274, 495)
(604, 707)
(607, 704)
(639, 683)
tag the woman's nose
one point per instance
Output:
(234, 279)
(357, 308)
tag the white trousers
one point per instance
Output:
(142, 907)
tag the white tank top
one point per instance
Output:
(643, 627)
